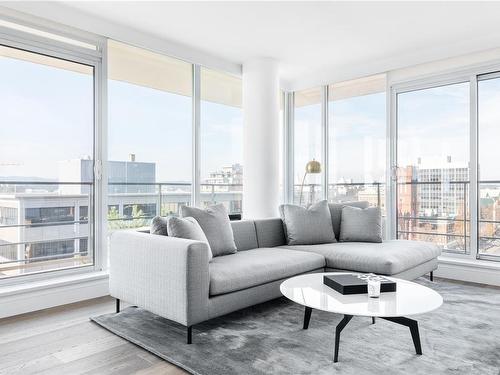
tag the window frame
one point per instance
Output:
(325, 149)
(198, 125)
(491, 74)
(96, 59)
(425, 85)
(290, 140)
(382, 187)
(471, 75)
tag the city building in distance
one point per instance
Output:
(48, 221)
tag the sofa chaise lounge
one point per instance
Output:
(173, 277)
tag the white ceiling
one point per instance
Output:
(314, 40)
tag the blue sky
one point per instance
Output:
(489, 128)
(156, 126)
(356, 139)
(434, 124)
(52, 120)
(46, 115)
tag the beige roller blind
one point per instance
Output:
(149, 69)
(14, 53)
(357, 87)
(220, 88)
(307, 97)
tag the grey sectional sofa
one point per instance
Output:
(173, 277)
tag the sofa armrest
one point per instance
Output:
(165, 275)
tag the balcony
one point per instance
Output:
(48, 226)
(439, 212)
(373, 193)
(45, 226)
(427, 211)
(133, 205)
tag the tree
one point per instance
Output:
(136, 220)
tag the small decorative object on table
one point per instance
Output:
(374, 287)
(358, 284)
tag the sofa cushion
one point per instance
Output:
(307, 226)
(187, 228)
(270, 232)
(336, 213)
(254, 267)
(386, 258)
(244, 234)
(215, 223)
(361, 224)
(159, 225)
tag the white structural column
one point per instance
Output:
(260, 138)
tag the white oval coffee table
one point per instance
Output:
(409, 299)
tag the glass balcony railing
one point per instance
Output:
(373, 193)
(439, 212)
(489, 219)
(45, 226)
(435, 212)
(133, 205)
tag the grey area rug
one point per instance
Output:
(462, 337)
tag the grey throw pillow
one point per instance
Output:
(187, 228)
(336, 213)
(215, 224)
(307, 226)
(159, 225)
(361, 224)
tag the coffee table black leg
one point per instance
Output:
(413, 325)
(307, 317)
(339, 329)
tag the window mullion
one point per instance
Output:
(473, 170)
(391, 166)
(101, 157)
(288, 148)
(196, 146)
(324, 141)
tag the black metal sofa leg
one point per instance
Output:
(431, 276)
(190, 334)
(117, 305)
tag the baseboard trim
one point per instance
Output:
(475, 272)
(56, 294)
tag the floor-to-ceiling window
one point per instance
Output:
(221, 140)
(307, 146)
(443, 135)
(150, 135)
(352, 137)
(46, 160)
(488, 166)
(433, 146)
(357, 140)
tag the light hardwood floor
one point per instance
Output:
(62, 340)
